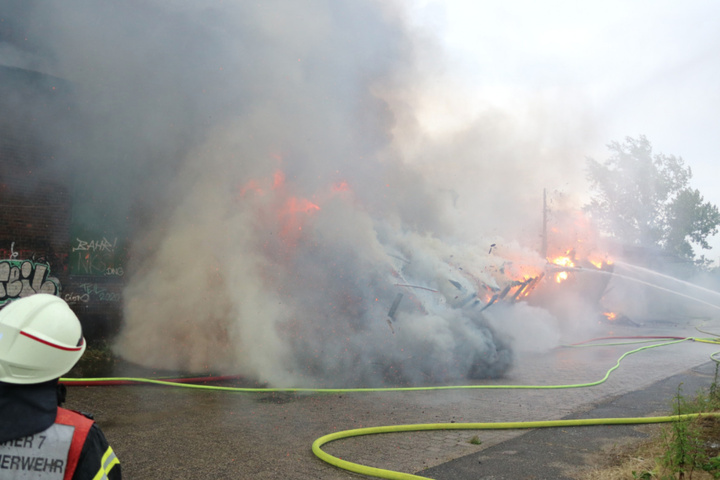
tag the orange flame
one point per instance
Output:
(291, 223)
(563, 261)
(295, 205)
(251, 186)
(288, 211)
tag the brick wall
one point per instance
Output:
(36, 206)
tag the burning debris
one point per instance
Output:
(514, 290)
(314, 291)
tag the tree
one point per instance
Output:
(644, 199)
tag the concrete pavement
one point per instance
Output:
(160, 432)
(564, 453)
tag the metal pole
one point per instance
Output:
(544, 246)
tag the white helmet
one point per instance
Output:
(40, 339)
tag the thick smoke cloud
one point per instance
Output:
(278, 188)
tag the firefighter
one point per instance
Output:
(41, 340)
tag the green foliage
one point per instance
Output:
(690, 220)
(686, 442)
(645, 199)
(714, 391)
(643, 475)
(475, 440)
(684, 447)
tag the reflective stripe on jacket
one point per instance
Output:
(82, 426)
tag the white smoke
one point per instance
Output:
(292, 221)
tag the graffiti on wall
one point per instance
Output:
(32, 254)
(96, 257)
(91, 292)
(21, 278)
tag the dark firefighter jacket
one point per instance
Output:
(39, 440)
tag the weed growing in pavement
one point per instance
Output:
(642, 475)
(475, 440)
(683, 442)
(682, 450)
(692, 445)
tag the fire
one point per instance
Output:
(251, 186)
(296, 205)
(599, 263)
(570, 260)
(289, 219)
(610, 315)
(563, 261)
(575, 231)
(290, 211)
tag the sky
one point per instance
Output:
(603, 70)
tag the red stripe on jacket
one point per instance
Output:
(82, 426)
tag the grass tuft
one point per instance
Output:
(687, 450)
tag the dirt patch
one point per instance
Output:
(618, 458)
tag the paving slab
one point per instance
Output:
(160, 432)
(562, 453)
